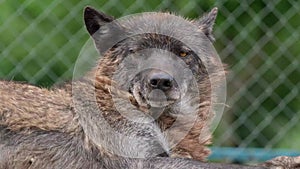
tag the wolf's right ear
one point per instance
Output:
(94, 19)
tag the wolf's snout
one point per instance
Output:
(154, 88)
(160, 80)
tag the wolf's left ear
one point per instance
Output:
(94, 19)
(206, 23)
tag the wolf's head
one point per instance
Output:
(161, 59)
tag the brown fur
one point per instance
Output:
(25, 106)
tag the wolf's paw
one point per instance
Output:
(283, 162)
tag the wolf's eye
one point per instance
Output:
(183, 54)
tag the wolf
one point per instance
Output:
(148, 100)
(168, 71)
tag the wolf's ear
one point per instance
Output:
(103, 29)
(206, 23)
(94, 19)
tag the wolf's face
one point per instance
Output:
(151, 59)
(159, 71)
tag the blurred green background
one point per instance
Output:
(258, 39)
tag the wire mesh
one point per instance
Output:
(258, 39)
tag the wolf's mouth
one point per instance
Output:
(154, 98)
(158, 98)
(160, 103)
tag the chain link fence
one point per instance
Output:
(257, 39)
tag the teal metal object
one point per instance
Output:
(241, 155)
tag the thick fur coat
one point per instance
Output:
(75, 125)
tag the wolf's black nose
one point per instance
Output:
(161, 80)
